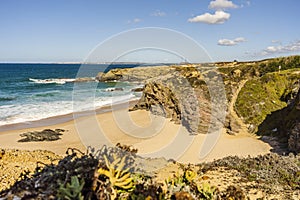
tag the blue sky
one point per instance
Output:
(68, 30)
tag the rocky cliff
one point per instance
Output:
(180, 93)
(292, 125)
(256, 91)
(172, 96)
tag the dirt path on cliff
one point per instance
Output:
(243, 129)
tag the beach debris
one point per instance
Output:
(127, 148)
(44, 135)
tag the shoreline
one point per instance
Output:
(59, 119)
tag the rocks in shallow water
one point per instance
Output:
(44, 135)
(113, 89)
(137, 89)
(85, 79)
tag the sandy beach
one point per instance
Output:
(153, 136)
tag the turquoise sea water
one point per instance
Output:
(30, 92)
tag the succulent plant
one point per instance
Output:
(189, 175)
(72, 190)
(206, 191)
(118, 177)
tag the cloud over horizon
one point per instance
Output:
(219, 17)
(221, 5)
(228, 42)
(292, 47)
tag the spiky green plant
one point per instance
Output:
(72, 190)
(176, 181)
(206, 191)
(118, 176)
(189, 175)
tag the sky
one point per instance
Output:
(70, 30)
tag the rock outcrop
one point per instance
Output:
(44, 135)
(171, 96)
(134, 74)
(184, 97)
(84, 79)
(292, 123)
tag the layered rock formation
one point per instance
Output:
(173, 97)
(292, 123)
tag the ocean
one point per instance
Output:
(31, 92)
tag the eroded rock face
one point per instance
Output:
(293, 126)
(182, 93)
(160, 100)
(171, 96)
(294, 138)
(232, 125)
(178, 97)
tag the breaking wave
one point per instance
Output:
(52, 80)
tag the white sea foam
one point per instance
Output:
(24, 113)
(112, 89)
(53, 80)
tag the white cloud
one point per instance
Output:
(137, 20)
(240, 39)
(219, 17)
(276, 42)
(134, 21)
(221, 5)
(292, 47)
(158, 13)
(228, 42)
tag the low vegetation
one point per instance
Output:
(263, 95)
(109, 174)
